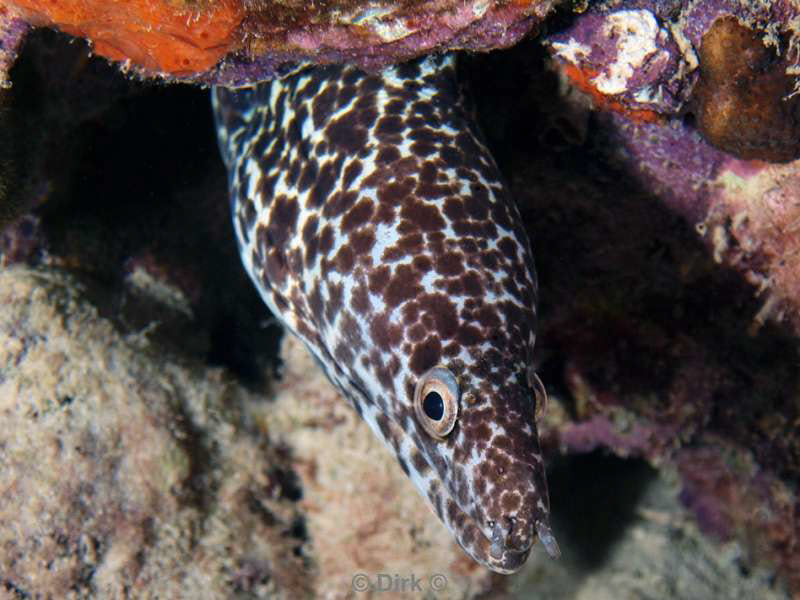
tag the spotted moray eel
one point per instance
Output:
(374, 222)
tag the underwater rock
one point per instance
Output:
(627, 60)
(742, 210)
(727, 105)
(234, 41)
(728, 491)
(731, 64)
(653, 548)
(125, 470)
(752, 226)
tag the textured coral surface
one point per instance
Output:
(731, 64)
(176, 37)
(698, 129)
(128, 471)
(124, 471)
(189, 39)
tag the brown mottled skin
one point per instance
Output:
(375, 224)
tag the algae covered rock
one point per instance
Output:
(124, 471)
(235, 41)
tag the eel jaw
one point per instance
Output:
(495, 551)
(502, 558)
(490, 548)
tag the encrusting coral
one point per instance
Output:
(233, 41)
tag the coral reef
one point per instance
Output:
(742, 209)
(657, 551)
(728, 409)
(751, 226)
(234, 41)
(669, 325)
(731, 64)
(167, 479)
(626, 59)
(727, 103)
(128, 469)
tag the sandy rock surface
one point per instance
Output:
(126, 473)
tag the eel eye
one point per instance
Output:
(436, 402)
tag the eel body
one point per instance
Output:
(374, 222)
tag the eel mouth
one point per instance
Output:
(500, 542)
(499, 555)
(497, 550)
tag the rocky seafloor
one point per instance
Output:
(154, 445)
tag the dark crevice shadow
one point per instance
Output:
(593, 501)
(126, 176)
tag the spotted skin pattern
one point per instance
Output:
(374, 222)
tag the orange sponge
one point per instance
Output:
(179, 37)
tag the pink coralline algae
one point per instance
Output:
(699, 99)
(235, 41)
(716, 60)
(626, 59)
(703, 125)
